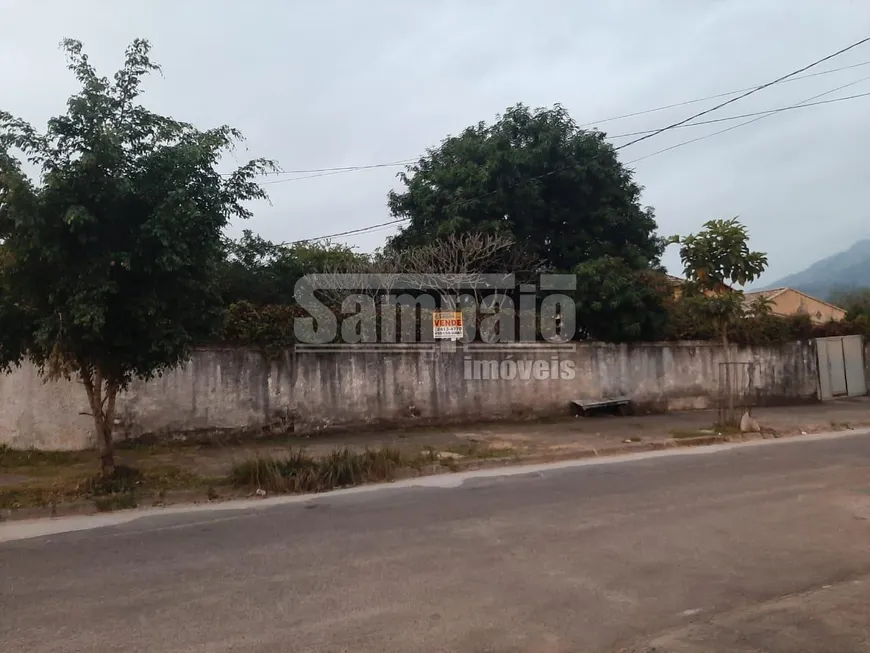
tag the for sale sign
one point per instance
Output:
(447, 325)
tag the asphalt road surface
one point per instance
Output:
(751, 548)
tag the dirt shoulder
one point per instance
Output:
(34, 484)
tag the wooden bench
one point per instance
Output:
(615, 404)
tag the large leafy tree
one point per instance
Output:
(261, 272)
(618, 304)
(559, 192)
(108, 258)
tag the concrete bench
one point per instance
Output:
(586, 406)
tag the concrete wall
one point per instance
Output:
(238, 390)
(867, 364)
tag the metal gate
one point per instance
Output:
(841, 367)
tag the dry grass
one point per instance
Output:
(688, 435)
(299, 472)
(33, 459)
(53, 485)
(475, 449)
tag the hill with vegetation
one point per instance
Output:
(844, 271)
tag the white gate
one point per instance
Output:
(841, 367)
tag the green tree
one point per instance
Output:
(559, 192)
(714, 260)
(856, 302)
(718, 256)
(261, 272)
(109, 258)
(617, 304)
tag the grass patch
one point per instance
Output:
(715, 429)
(474, 449)
(12, 458)
(688, 435)
(116, 502)
(299, 472)
(123, 489)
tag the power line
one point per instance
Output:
(329, 171)
(761, 117)
(396, 164)
(746, 94)
(717, 96)
(805, 103)
(343, 233)
(757, 113)
(644, 137)
(320, 174)
(391, 164)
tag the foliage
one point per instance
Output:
(714, 259)
(108, 262)
(261, 272)
(299, 472)
(856, 302)
(686, 323)
(718, 256)
(268, 328)
(558, 191)
(617, 304)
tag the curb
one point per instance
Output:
(187, 497)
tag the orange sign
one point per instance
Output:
(447, 325)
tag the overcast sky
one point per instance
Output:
(343, 83)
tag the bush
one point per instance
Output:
(299, 472)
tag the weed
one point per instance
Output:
(115, 502)
(11, 458)
(474, 449)
(300, 472)
(450, 464)
(685, 435)
(429, 455)
(123, 479)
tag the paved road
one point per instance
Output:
(758, 548)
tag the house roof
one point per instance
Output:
(773, 293)
(770, 293)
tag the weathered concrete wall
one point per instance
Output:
(867, 364)
(238, 390)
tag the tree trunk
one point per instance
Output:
(102, 402)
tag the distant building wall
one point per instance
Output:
(792, 302)
(241, 391)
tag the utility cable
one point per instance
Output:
(646, 136)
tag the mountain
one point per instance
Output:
(844, 271)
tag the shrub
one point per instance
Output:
(298, 472)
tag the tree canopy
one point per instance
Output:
(718, 256)
(258, 271)
(109, 259)
(715, 259)
(558, 191)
